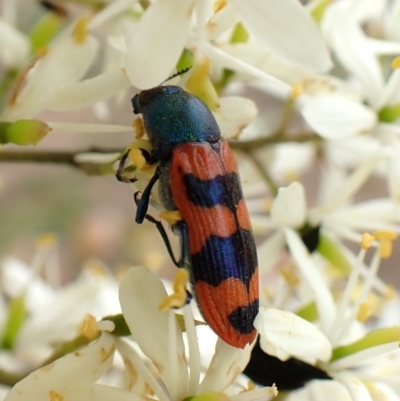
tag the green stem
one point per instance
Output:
(65, 157)
(261, 169)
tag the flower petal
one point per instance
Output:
(225, 60)
(234, 114)
(289, 207)
(357, 389)
(316, 390)
(227, 363)
(63, 65)
(284, 27)
(140, 295)
(320, 291)
(14, 46)
(82, 127)
(100, 392)
(336, 117)
(284, 335)
(346, 190)
(85, 93)
(67, 376)
(351, 47)
(155, 44)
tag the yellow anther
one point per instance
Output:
(385, 235)
(41, 51)
(198, 76)
(171, 217)
(390, 292)
(79, 33)
(251, 386)
(96, 268)
(179, 296)
(219, 5)
(138, 126)
(46, 240)
(137, 158)
(395, 63)
(53, 396)
(385, 249)
(290, 276)
(292, 175)
(385, 238)
(106, 354)
(200, 84)
(297, 90)
(366, 241)
(364, 312)
(88, 327)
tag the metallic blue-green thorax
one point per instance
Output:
(173, 116)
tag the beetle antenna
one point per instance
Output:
(177, 74)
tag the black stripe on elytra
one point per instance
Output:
(222, 258)
(221, 190)
(242, 318)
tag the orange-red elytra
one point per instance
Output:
(198, 177)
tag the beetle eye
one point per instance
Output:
(135, 105)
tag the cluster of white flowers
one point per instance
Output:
(300, 88)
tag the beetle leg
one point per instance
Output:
(119, 174)
(164, 237)
(185, 254)
(143, 203)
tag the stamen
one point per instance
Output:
(385, 238)
(79, 33)
(45, 261)
(260, 393)
(290, 276)
(138, 126)
(297, 90)
(47, 240)
(179, 296)
(171, 217)
(127, 351)
(344, 302)
(194, 352)
(364, 312)
(89, 328)
(390, 292)
(395, 63)
(366, 240)
(106, 325)
(55, 396)
(172, 350)
(219, 5)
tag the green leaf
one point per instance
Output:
(16, 317)
(372, 339)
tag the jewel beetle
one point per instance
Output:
(198, 177)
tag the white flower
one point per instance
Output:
(168, 371)
(14, 46)
(271, 22)
(341, 347)
(41, 314)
